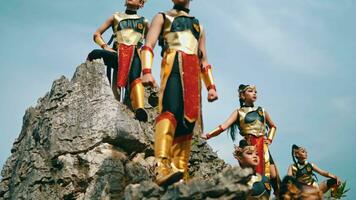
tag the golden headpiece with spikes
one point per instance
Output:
(240, 150)
(246, 87)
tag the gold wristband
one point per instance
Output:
(271, 133)
(207, 76)
(215, 132)
(146, 58)
(99, 40)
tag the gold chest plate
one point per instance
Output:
(181, 40)
(305, 178)
(256, 128)
(127, 36)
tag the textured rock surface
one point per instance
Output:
(80, 143)
(230, 184)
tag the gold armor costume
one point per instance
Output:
(260, 188)
(129, 30)
(179, 96)
(252, 126)
(304, 174)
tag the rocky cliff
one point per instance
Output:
(78, 142)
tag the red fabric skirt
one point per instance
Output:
(259, 143)
(191, 92)
(125, 54)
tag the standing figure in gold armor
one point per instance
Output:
(129, 31)
(252, 122)
(184, 63)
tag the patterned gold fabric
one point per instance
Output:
(129, 35)
(252, 121)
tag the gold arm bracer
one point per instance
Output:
(100, 41)
(146, 59)
(271, 133)
(215, 132)
(207, 76)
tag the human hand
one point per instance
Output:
(212, 95)
(338, 181)
(148, 80)
(204, 136)
(267, 141)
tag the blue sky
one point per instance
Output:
(299, 54)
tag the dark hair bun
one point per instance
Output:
(243, 143)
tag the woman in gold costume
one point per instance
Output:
(252, 121)
(129, 31)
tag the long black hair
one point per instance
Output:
(295, 147)
(234, 128)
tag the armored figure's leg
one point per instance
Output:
(136, 89)
(166, 125)
(181, 154)
(331, 183)
(275, 180)
(110, 60)
(164, 133)
(182, 146)
(137, 99)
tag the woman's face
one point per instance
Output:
(301, 155)
(134, 3)
(249, 158)
(250, 95)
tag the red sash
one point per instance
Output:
(191, 78)
(124, 63)
(258, 142)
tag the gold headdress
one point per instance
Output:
(243, 147)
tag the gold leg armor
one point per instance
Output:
(267, 162)
(181, 153)
(163, 140)
(137, 99)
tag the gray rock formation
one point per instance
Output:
(78, 142)
(230, 184)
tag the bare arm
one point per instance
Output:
(272, 129)
(212, 95)
(323, 172)
(269, 121)
(147, 49)
(154, 31)
(202, 48)
(233, 117)
(147, 28)
(98, 34)
(290, 171)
